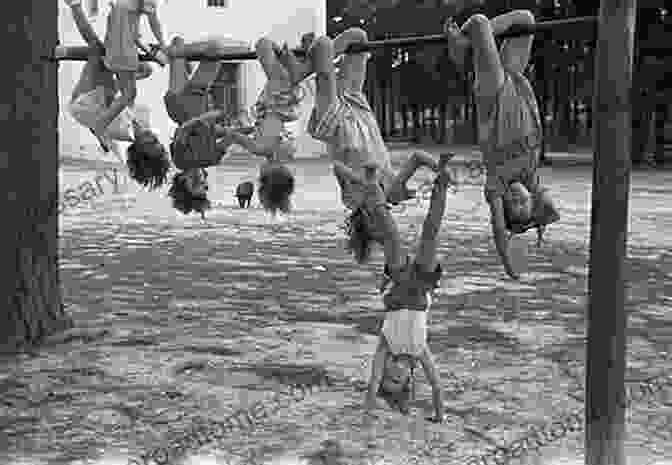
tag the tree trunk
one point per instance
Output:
(607, 319)
(30, 286)
(661, 111)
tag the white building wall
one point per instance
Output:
(241, 20)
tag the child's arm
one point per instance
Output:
(427, 361)
(209, 116)
(377, 368)
(499, 235)
(344, 171)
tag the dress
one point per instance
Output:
(407, 303)
(350, 129)
(510, 138)
(190, 102)
(280, 99)
(121, 52)
(86, 110)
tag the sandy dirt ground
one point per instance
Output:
(181, 322)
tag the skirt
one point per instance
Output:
(189, 103)
(86, 110)
(350, 128)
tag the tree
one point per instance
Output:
(30, 287)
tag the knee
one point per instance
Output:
(322, 46)
(263, 45)
(177, 41)
(357, 34)
(526, 16)
(479, 22)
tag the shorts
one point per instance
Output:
(190, 103)
(87, 108)
(350, 128)
(406, 332)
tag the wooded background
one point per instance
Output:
(418, 94)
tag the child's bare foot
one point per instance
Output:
(458, 43)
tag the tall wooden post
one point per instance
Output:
(605, 373)
(30, 300)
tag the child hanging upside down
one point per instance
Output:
(344, 120)
(277, 105)
(187, 99)
(407, 298)
(121, 55)
(509, 125)
(93, 95)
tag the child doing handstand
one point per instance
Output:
(407, 298)
(93, 96)
(121, 55)
(509, 125)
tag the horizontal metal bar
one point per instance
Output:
(81, 53)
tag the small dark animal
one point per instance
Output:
(244, 193)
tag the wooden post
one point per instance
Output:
(605, 370)
(30, 294)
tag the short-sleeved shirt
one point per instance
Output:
(510, 135)
(121, 53)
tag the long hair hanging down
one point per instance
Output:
(276, 186)
(184, 200)
(360, 243)
(148, 164)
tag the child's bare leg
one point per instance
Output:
(267, 51)
(322, 60)
(353, 65)
(515, 52)
(426, 254)
(385, 227)
(179, 69)
(397, 191)
(84, 27)
(128, 90)
(487, 63)
(94, 72)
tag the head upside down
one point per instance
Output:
(276, 186)
(189, 191)
(147, 160)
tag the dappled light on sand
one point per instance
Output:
(182, 323)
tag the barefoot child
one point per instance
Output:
(187, 99)
(121, 55)
(407, 299)
(344, 120)
(277, 105)
(93, 95)
(509, 126)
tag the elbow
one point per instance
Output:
(526, 17)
